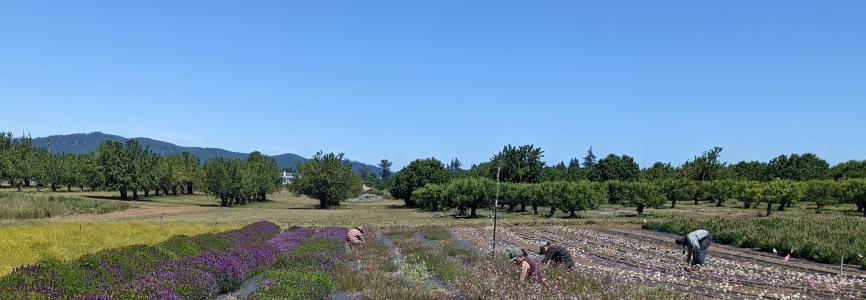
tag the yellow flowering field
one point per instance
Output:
(26, 244)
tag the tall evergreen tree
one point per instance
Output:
(589, 160)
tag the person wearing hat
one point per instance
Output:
(528, 267)
(557, 254)
(697, 244)
(355, 236)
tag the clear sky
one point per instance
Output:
(658, 80)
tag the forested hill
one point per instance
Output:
(88, 142)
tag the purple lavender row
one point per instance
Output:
(213, 272)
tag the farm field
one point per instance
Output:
(640, 257)
(26, 244)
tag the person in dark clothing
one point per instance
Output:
(696, 245)
(557, 254)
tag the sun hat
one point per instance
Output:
(514, 252)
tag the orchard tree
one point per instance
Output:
(581, 195)
(822, 192)
(705, 167)
(518, 164)
(223, 178)
(417, 174)
(552, 193)
(721, 190)
(849, 169)
(781, 192)
(679, 189)
(186, 170)
(750, 170)
(328, 178)
(799, 167)
(854, 191)
(263, 174)
(429, 197)
(532, 195)
(614, 167)
(114, 165)
(642, 194)
(470, 193)
(660, 171)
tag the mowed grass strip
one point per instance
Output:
(26, 244)
(14, 205)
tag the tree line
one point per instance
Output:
(130, 168)
(528, 181)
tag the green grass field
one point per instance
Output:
(35, 205)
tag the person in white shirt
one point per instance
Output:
(695, 245)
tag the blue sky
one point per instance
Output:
(658, 80)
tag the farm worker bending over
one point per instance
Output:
(557, 254)
(355, 236)
(528, 267)
(697, 244)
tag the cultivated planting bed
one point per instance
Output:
(632, 257)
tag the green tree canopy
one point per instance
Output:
(470, 193)
(705, 167)
(615, 167)
(801, 167)
(417, 174)
(327, 178)
(518, 164)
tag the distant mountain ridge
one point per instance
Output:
(88, 142)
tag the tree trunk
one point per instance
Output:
(535, 209)
(696, 201)
(769, 208)
(53, 187)
(472, 213)
(123, 195)
(189, 189)
(859, 207)
(435, 206)
(146, 192)
(673, 203)
(81, 187)
(782, 205)
(68, 187)
(461, 211)
(174, 190)
(746, 204)
(522, 207)
(818, 210)
(134, 194)
(264, 196)
(156, 192)
(27, 182)
(788, 204)
(571, 214)
(719, 202)
(640, 210)
(552, 212)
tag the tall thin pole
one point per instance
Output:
(495, 209)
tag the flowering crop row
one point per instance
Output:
(824, 238)
(198, 267)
